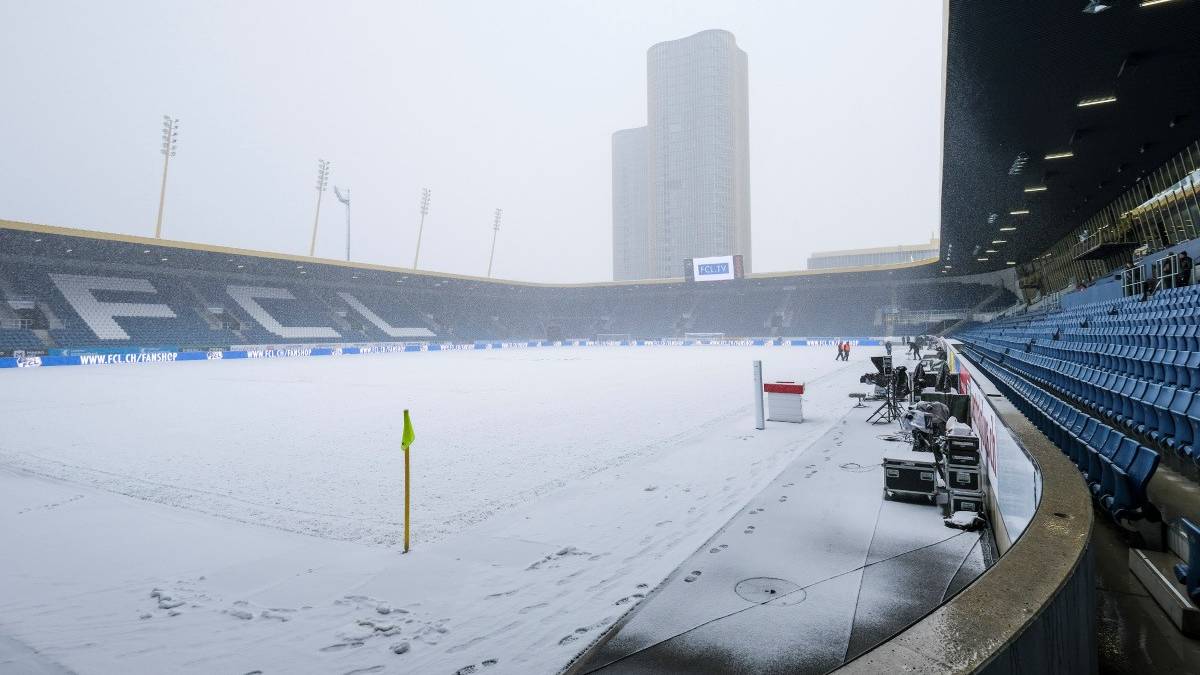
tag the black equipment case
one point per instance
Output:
(909, 473)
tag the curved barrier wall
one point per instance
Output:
(1033, 611)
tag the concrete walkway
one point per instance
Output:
(813, 571)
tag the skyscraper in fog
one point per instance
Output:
(695, 162)
(631, 204)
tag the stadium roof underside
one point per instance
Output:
(1016, 75)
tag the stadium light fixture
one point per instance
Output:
(170, 140)
(1066, 154)
(495, 232)
(1011, 262)
(991, 250)
(1151, 3)
(425, 194)
(1010, 228)
(1036, 188)
(322, 183)
(982, 259)
(999, 241)
(1098, 100)
(1019, 212)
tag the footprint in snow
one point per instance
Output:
(340, 646)
(467, 670)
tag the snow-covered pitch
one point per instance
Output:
(245, 515)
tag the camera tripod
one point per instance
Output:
(889, 410)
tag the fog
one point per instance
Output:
(490, 104)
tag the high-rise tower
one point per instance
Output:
(697, 156)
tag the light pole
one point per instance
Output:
(495, 231)
(322, 183)
(170, 138)
(345, 199)
(421, 228)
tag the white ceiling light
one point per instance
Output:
(1066, 154)
(1099, 100)
(1019, 212)
(1010, 228)
(1036, 188)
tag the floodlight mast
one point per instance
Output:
(344, 197)
(322, 183)
(170, 139)
(425, 194)
(495, 231)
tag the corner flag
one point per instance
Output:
(406, 439)
(408, 436)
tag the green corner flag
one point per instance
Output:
(408, 436)
(406, 439)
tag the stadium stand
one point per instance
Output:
(103, 293)
(1132, 365)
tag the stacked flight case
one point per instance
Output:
(962, 465)
(908, 473)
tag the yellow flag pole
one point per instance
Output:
(406, 439)
(406, 493)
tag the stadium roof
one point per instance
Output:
(1016, 75)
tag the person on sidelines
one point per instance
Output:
(846, 353)
(1184, 278)
(840, 346)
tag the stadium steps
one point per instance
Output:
(1168, 574)
(46, 338)
(52, 320)
(202, 306)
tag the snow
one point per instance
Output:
(252, 509)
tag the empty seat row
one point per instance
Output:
(1115, 466)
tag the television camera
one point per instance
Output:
(892, 384)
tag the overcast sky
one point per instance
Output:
(489, 103)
